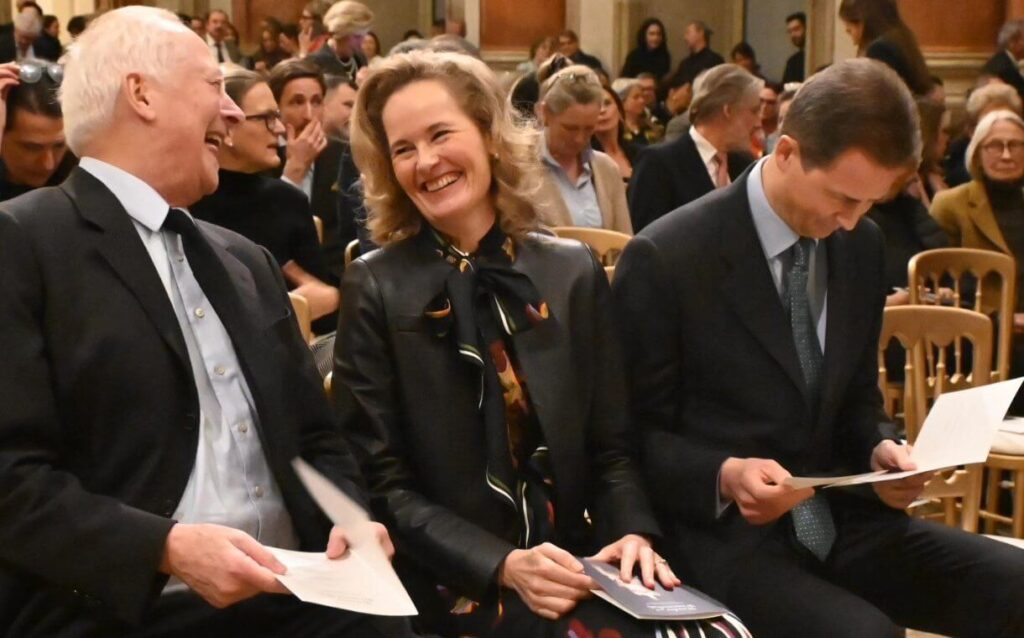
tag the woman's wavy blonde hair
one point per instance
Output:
(515, 169)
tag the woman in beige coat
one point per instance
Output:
(581, 187)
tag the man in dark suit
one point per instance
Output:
(1005, 64)
(22, 41)
(796, 27)
(725, 113)
(311, 160)
(569, 46)
(222, 48)
(750, 321)
(154, 384)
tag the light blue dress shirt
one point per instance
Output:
(231, 483)
(580, 196)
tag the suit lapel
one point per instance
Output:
(980, 210)
(693, 167)
(748, 286)
(841, 305)
(122, 248)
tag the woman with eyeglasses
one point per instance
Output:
(581, 187)
(988, 211)
(476, 373)
(268, 211)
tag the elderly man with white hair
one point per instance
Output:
(154, 385)
(1005, 64)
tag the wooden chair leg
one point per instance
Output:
(991, 497)
(972, 501)
(1018, 504)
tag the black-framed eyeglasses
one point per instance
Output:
(269, 119)
(31, 71)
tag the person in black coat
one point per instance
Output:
(796, 26)
(725, 114)
(651, 53)
(701, 58)
(476, 373)
(1005, 63)
(878, 32)
(268, 211)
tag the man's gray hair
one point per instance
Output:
(1009, 32)
(721, 86)
(134, 39)
(997, 93)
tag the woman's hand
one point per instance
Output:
(632, 549)
(549, 579)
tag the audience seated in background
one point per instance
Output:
(222, 47)
(270, 54)
(725, 113)
(878, 32)
(265, 210)
(347, 21)
(540, 51)
(165, 348)
(569, 46)
(310, 159)
(22, 41)
(371, 47)
(743, 55)
(49, 39)
(78, 23)
(988, 211)
(739, 374)
(983, 100)
(796, 27)
(496, 470)
(1005, 63)
(609, 134)
(639, 129)
(313, 33)
(289, 39)
(934, 141)
(651, 53)
(581, 186)
(33, 150)
(785, 99)
(701, 58)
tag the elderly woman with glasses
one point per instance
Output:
(268, 211)
(476, 372)
(581, 186)
(988, 211)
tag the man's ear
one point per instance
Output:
(138, 93)
(787, 150)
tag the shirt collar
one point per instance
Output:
(775, 235)
(705, 148)
(549, 159)
(142, 203)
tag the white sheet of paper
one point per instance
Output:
(958, 430)
(364, 577)
(350, 583)
(1013, 424)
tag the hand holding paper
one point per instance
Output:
(891, 456)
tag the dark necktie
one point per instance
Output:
(213, 278)
(220, 53)
(812, 519)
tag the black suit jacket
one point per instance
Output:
(713, 372)
(671, 174)
(409, 406)
(100, 424)
(45, 47)
(1001, 66)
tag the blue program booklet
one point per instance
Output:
(679, 603)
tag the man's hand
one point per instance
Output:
(221, 564)
(8, 78)
(303, 149)
(337, 543)
(632, 549)
(889, 455)
(549, 579)
(756, 486)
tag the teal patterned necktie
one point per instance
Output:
(812, 519)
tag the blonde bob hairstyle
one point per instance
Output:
(981, 132)
(515, 169)
(348, 17)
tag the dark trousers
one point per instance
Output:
(886, 571)
(186, 614)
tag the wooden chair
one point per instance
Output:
(996, 275)
(319, 224)
(301, 308)
(352, 251)
(939, 332)
(327, 386)
(608, 244)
